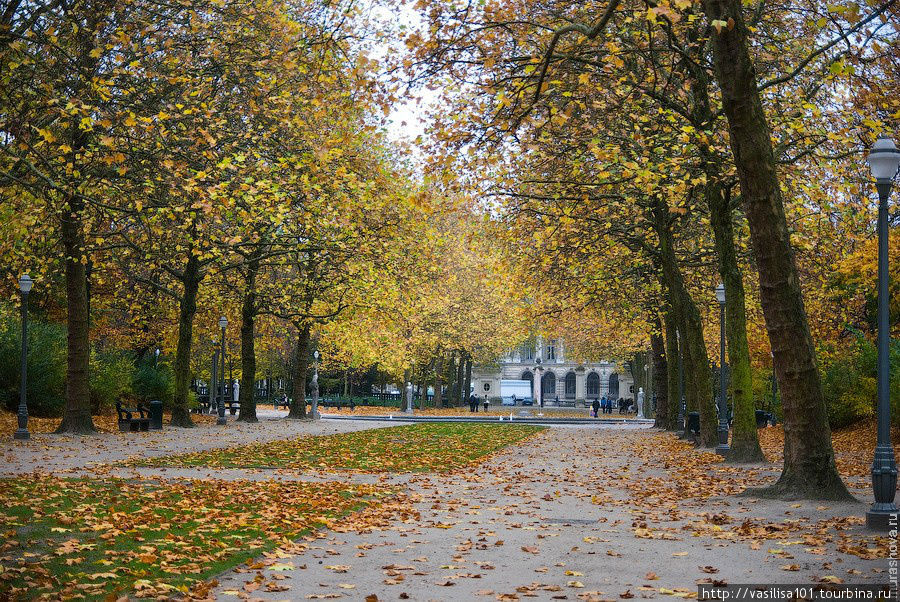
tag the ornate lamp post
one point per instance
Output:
(314, 386)
(223, 323)
(884, 158)
(156, 358)
(538, 382)
(722, 447)
(25, 284)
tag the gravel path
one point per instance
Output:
(549, 519)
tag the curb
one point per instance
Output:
(493, 420)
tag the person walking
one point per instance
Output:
(596, 407)
(473, 401)
(486, 402)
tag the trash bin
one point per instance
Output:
(694, 422)
(762, 419)
(156, 415)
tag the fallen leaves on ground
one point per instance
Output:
(91, 537)
(416, 447)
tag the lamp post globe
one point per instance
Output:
(223, 323)
(722, 430)
(883, 159)
(25, 284)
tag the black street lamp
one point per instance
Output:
(884, 158)
(722, 447)
(223, 322)
(25, 284)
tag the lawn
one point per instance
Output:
(104, 538)
(414, 448)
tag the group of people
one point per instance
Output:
(473, 403)
(605, 405)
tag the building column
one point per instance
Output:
(579, 384)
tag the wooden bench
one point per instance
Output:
(569, 403)
(337, 403)
(128, 423)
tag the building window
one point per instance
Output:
(548, 385)
(551, 350)
(593, 385)
(614, 385)
(527, 375)
(487, 387)
(528, 351)
(570, 385)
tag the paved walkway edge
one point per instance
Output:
(493, 419)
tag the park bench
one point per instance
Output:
(569, 403)
(337, 403)
(127, 422)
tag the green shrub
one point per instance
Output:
(849, 381)
(154, 381)
(46, 366)
(111, 377)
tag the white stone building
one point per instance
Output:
(546, 360)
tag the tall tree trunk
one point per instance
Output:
(809, 465)
(698, 381)
(346, 382)
(181, 415)
(744, 438)
(467, 388)
(660, 373)
(439, 382)
(453, 380)
(671, 326)
(301, 367)
(77, 416)
(248, 344)
(460, 379)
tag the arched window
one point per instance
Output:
(548, 386)
(614, 385)
(593, 385)
(570, 385)
(527, 375)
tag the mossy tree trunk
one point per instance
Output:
(301, 368)
(439, 382)
(77, 413)
(744, 438)
(696, 361)
(248, 343)
(187, 309)
(671, 327)
(660, 374)
(809, 465)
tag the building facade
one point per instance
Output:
(545, 361)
